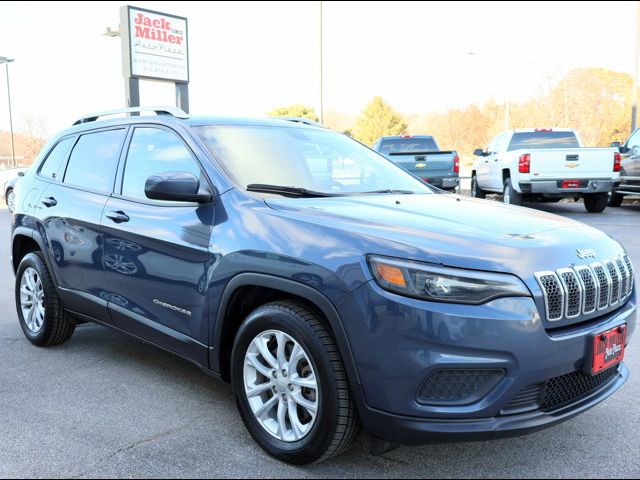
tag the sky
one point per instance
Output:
(249, 57)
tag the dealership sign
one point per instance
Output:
(157, 45)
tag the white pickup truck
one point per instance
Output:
(545, 165)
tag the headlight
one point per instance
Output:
(441, 284)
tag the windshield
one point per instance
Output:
(533, 140)
(313, 159)
(397, 145)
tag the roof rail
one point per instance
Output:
(172, 111)
(303, 120)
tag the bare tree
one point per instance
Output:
(34, 130)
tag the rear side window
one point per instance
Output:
(152, 151)
(411, 144)
(51, 166)
(534, 140)
(94, 160)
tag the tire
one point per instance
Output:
(335, 424)
(509, 195)
(476, 191)
(615, 199)
(49, 325)
(10, 198)
(596, 202)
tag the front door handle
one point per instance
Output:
(118, 217)
(49, 202)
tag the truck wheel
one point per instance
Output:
(11, 200)
(290, 384)
(40, 312)
(509, 195)
(596, 202)
(615, 200)
(476, 191)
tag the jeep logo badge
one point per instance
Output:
(586, 253)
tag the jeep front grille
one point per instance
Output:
(572, 292)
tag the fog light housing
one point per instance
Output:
(456, 387)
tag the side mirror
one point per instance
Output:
(21, 174)
(176, 187)
(615, 144)
(478, 152)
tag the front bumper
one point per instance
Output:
(402, 341)
(554, 187)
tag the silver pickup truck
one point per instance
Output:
(421, 156)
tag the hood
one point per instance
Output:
(457, 231)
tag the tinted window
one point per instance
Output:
(533, 140)
(51, 166)
(152, 151)
(94, 159)
(396, 145)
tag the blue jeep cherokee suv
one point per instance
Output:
(329, 286)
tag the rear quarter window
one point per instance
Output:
(94, 159)
(55, 160)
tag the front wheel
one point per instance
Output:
(476, 191)
(596, 202)
(509, 195)
(290, 384)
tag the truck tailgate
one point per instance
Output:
(569, 163)
(425, 164)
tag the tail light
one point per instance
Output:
(456, 164)
(524, 164)
(616, 162)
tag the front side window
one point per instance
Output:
(153, 151)
(94, 159)
(311, 158)
(51, 166)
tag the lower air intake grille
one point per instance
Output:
(557, 392)
(566, 389)
(458, 387)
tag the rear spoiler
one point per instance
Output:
(425, 152)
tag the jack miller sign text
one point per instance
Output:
(158, 45)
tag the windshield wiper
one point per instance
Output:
(387, 190)
(285, 190)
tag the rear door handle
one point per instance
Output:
(49, 202)
(118, 217)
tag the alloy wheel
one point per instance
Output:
(32, 300)
(281, 386)
(11, 198)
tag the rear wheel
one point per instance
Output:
(290, 384)
(476, 191)
(41, 316)
(615, 199)
(596, 202)
(10, 197)
(509, 195)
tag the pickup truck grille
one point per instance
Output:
(571, 292)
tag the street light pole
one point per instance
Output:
(636, 66)
(6, 62)
(321, 73)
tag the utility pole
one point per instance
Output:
(321, 73)
(6, 62)
(636, 66)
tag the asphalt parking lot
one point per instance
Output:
(107, 405)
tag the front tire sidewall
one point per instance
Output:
(11, 198)
(50, 309)
(318, 440)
